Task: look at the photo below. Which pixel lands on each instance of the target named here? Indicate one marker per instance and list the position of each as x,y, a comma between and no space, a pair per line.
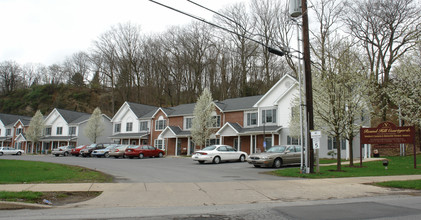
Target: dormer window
269,116
117,128
59,130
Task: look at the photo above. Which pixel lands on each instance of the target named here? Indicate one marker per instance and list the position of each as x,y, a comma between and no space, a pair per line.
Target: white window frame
160,124
59,130
185,123
129,126
142,128
73,128
159,144
117,125
264,116
246,119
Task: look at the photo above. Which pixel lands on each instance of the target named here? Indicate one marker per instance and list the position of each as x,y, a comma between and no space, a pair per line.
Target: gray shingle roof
237,104
142,110
73,116
9,119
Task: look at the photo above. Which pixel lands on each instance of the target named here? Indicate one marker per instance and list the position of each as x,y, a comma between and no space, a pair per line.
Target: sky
48,31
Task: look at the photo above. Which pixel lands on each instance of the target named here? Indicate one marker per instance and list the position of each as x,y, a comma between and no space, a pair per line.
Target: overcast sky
46,31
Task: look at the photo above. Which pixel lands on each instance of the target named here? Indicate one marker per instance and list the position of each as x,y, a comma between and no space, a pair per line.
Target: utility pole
308,84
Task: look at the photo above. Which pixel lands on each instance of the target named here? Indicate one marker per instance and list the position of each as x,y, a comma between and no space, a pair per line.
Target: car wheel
256,165
242,158
160,155
106,155
1,153
140,156
65,154
18,153
201,161
277,163
216,160
56,155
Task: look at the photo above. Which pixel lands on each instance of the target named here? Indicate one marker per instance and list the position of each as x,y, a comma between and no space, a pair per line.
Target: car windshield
111,147
91,146
209,148
277,149
81,146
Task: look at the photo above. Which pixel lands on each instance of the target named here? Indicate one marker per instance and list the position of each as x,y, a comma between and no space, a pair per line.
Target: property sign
388,133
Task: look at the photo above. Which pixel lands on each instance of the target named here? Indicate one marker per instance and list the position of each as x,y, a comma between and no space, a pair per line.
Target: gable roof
9,119
268,93
237,104
141,110
73,116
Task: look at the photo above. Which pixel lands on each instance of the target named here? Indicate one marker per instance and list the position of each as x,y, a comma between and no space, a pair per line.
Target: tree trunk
338,150
351,151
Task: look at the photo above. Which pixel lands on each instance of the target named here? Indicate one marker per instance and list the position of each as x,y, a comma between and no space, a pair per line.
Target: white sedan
10,150
218,153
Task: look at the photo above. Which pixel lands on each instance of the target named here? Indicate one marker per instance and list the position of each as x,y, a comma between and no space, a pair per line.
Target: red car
143,151
75,151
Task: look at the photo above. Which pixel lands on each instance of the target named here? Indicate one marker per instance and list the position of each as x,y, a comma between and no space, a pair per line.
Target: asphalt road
154,170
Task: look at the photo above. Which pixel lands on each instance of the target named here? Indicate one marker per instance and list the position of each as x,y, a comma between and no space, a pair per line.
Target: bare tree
10,72
385,30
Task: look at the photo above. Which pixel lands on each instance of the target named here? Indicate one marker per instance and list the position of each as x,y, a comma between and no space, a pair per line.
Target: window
47,131
72,130
19,131
293,140
188,122
143,126
117,128
8,132
251,118
160,124
160,144
216,121
129,126
59,130
210,142
269,116
331,143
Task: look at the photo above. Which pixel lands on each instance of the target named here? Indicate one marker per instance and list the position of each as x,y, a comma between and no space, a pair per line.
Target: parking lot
164,170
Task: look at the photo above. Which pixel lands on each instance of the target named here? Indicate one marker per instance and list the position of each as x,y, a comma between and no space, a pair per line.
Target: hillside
47,97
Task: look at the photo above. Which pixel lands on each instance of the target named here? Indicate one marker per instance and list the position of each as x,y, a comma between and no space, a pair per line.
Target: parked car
104,152
218,153
63,150
76,151
88,150
10,150
143,151
276,156
118,151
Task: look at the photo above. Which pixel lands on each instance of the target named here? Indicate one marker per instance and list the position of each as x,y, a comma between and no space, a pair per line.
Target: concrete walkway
219,193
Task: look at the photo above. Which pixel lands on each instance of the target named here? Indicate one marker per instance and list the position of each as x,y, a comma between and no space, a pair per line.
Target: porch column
279,138
176,146
221,140
188,146
239,143
251,144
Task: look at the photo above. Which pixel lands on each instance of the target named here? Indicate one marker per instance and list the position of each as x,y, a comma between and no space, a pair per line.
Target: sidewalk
220,193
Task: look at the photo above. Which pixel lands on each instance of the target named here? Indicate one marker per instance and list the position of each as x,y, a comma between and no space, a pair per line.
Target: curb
21,205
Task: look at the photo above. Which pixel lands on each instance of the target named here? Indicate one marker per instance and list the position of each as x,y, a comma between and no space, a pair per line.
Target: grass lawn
18,171
397,166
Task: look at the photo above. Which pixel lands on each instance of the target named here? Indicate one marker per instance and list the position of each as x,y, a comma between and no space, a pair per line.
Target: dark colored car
76,151
88,150
143,151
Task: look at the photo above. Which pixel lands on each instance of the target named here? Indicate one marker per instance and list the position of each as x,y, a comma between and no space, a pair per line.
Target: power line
270,49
